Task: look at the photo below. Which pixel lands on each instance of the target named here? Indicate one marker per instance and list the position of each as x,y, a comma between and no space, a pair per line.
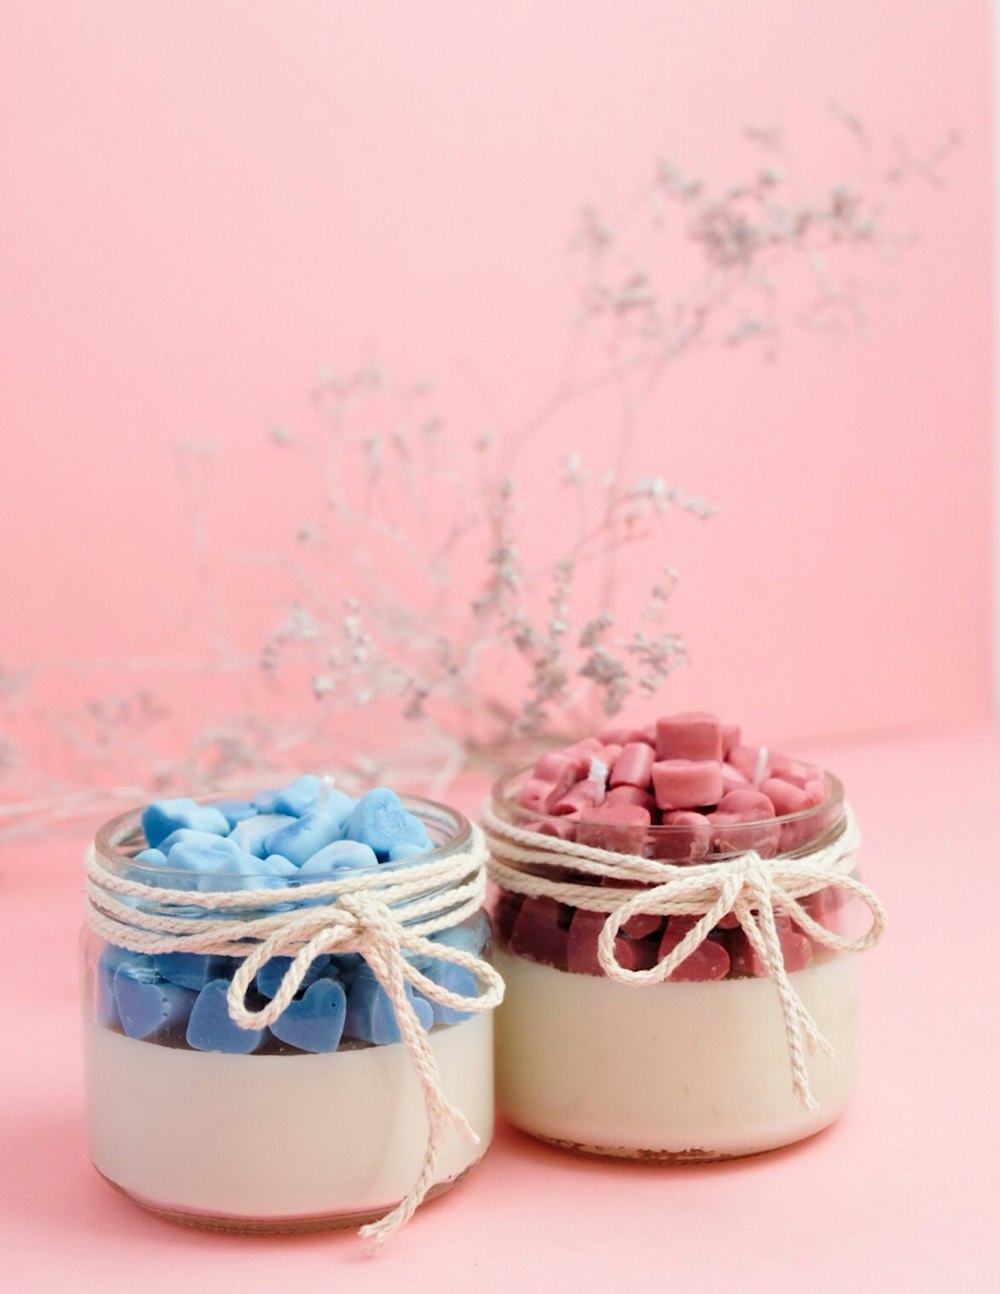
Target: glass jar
296,1127
699,1066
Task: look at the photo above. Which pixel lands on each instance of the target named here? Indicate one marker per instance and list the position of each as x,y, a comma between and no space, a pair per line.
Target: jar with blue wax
287,1007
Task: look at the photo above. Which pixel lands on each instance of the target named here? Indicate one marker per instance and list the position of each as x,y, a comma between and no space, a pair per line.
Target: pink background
203,204
206,203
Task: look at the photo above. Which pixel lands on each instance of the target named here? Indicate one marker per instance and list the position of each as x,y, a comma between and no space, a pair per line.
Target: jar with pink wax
679,922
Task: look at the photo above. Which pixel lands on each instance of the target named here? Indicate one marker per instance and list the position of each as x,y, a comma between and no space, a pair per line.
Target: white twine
381,914
748,886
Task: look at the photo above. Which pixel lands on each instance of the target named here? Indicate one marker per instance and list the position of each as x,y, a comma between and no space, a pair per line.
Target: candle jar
696,1067
292,1127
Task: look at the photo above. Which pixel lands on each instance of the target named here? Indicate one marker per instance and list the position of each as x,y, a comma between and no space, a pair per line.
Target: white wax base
278,1137
686,1070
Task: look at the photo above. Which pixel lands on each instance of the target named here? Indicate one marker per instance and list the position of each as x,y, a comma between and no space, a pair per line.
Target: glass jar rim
503,801
126,828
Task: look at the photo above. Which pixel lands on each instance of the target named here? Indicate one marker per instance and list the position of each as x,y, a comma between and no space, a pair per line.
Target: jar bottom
300,1226
693,1155
302,1142
672,1073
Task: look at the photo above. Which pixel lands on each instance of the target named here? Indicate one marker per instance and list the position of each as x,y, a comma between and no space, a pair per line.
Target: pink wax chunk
622,736
642,924
581,948
689,839
796,949
560,772
733,779
505,914
734,833
805,831
582,797
734,824
631,795
535,795
581,752
692,736
563,828
708,961
633,766
553,766
785,797
747,760
686,783
797,774
620,828
730,738
797,834
745,801
537,934
824,906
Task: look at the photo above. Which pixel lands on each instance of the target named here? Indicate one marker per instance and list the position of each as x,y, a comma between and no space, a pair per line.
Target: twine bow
748,886
382,915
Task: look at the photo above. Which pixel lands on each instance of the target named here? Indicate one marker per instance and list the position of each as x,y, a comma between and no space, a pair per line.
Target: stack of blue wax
297,834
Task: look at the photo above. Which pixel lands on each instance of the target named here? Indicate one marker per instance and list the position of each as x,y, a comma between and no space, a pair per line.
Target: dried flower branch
421,588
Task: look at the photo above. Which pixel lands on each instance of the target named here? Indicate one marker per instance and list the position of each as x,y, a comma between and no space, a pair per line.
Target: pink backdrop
205,203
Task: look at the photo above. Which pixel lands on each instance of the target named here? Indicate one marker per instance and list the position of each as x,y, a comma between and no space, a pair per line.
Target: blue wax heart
340,856
251,833
380,821
162,817
194,970
305,836
406,850
234,811
345,967
271,974
211,1028
207,839
457,980
296,798
197,863
105,1004
148,1004
152,857
471,936
370,1016
314,1022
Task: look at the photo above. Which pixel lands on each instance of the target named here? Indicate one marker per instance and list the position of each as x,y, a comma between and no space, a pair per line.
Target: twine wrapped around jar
750,887
383,914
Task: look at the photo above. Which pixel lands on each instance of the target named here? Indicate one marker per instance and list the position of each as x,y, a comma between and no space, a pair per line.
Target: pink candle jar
681,957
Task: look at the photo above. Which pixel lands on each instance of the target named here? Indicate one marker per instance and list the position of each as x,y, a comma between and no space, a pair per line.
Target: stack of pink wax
683,790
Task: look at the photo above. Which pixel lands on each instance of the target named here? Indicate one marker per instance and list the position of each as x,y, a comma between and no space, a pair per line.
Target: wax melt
303,1085
657,887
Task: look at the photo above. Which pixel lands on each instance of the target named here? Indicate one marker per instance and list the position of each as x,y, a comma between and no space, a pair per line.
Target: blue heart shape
211,1028
370,1015
146,1003
315,1021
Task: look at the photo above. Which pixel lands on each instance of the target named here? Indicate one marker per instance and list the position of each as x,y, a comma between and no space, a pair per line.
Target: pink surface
901,1194
203,204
